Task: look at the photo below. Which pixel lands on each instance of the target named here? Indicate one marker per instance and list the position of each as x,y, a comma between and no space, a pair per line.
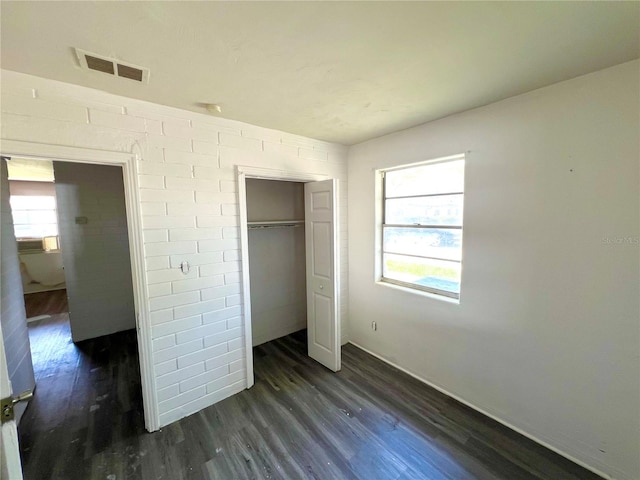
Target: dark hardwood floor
46,303
299,421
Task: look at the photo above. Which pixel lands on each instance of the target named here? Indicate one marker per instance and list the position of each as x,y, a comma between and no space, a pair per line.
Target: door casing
128,162
244,172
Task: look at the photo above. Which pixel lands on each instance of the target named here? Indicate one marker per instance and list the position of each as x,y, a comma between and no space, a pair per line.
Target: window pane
438,274
426,242
34,216
36,231
31,217
32,202
440,210
445,177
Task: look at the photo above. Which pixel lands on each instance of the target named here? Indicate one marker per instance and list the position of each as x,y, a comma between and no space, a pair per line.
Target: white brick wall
189,206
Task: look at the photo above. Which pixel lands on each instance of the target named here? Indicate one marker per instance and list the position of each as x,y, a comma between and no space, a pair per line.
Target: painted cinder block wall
547,333
188,197
96,254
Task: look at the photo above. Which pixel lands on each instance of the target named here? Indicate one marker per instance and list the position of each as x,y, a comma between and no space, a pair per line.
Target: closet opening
275,224
289,261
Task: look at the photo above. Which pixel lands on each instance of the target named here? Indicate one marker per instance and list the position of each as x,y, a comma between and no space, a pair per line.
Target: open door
16,369
10,466
321,232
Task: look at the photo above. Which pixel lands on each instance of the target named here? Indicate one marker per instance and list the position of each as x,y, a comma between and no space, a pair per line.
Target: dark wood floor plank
299,421
46,303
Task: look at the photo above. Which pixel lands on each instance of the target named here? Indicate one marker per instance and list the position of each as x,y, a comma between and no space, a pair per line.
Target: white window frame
380,251
17,209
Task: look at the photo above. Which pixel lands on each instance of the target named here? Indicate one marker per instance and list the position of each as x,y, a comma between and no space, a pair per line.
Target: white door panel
10,465
321,232
15,357
323,320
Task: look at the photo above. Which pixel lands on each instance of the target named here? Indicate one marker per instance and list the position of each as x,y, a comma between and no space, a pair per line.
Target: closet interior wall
276,258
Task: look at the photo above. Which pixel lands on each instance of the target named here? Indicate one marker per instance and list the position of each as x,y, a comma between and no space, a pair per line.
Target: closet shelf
275,224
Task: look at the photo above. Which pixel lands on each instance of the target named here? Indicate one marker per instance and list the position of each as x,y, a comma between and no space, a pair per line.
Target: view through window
422,226
34,216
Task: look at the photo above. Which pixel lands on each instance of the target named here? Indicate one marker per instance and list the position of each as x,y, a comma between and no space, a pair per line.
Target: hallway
87,402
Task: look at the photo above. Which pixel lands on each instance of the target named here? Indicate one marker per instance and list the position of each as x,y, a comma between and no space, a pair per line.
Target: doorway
320,257
275,213
33,205
141,335
89,225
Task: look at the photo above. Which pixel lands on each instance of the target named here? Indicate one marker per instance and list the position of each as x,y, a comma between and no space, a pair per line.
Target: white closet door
323,319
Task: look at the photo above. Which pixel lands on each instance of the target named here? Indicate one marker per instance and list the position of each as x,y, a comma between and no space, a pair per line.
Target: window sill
422,293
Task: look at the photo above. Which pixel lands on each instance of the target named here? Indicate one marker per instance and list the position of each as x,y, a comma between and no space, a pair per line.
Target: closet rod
278,225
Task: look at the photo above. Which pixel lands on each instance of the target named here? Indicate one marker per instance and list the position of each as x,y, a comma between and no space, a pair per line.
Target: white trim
128,162
246,287
484,412
10,463
10,454
417,291
244,172
37,318
140,296
282,175
449,158
17,148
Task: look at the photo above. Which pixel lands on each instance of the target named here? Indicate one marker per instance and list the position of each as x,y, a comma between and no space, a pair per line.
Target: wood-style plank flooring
46,303
299,421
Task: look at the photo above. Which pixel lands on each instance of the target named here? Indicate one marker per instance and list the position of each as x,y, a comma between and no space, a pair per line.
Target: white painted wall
276,260
188,195
546,337
13,318
42,271
96,254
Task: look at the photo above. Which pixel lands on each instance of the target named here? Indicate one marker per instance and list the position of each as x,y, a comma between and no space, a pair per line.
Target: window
34,216
422,226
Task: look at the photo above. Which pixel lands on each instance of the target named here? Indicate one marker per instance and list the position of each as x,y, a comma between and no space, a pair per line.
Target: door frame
243,172
128,162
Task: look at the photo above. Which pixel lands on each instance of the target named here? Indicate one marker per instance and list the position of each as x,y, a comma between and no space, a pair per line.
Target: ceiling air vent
111,66
99,64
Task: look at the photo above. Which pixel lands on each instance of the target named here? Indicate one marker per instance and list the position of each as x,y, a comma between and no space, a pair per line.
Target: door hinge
6,405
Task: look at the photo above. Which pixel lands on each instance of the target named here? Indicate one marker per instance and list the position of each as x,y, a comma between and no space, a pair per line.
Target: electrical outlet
374,326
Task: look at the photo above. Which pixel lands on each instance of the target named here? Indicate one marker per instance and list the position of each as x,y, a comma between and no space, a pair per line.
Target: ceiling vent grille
111,66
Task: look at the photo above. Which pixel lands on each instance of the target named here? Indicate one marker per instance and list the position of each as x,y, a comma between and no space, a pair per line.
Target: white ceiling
337,71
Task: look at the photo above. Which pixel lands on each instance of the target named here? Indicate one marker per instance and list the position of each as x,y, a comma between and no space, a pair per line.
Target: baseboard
277,333
44,288
484,412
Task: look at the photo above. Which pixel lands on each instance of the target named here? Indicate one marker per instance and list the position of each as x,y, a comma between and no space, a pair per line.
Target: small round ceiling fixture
213,108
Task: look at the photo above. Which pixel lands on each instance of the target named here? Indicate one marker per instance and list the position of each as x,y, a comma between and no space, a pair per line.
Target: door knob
6,405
